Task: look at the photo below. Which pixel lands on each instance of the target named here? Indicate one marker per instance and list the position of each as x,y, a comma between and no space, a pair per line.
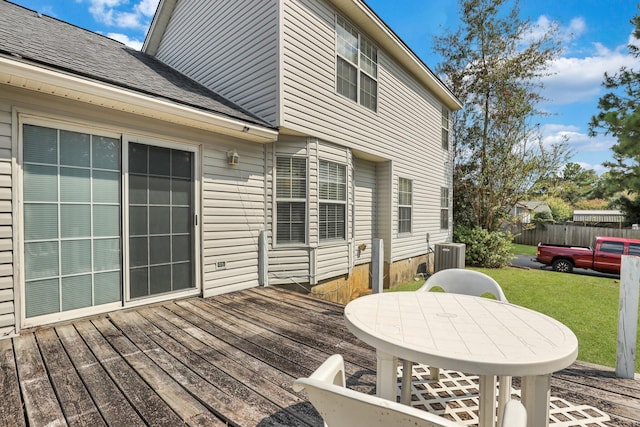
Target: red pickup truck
605,257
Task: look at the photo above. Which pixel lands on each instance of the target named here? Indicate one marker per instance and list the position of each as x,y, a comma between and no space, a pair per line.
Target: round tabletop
461,332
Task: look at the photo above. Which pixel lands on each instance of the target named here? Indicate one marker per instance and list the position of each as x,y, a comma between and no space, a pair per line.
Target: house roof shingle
49,42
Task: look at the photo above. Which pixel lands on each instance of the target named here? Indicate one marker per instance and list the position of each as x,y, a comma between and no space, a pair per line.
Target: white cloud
128,20
576,28
588,152
123,38
147,7
544,26
113,13
575,79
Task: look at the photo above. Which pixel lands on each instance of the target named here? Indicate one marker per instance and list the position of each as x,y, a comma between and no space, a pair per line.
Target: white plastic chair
467,282
343,407
462,281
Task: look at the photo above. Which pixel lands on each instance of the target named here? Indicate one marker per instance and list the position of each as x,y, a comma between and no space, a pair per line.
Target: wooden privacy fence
570,234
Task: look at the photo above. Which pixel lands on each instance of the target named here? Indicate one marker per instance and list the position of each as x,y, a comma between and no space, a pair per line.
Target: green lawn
524,249
588,305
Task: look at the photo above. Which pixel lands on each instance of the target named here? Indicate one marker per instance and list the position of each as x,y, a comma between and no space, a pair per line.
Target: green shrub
560,210
541,219
484,248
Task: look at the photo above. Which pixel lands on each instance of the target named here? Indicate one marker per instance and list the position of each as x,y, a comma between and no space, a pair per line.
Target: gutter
44,80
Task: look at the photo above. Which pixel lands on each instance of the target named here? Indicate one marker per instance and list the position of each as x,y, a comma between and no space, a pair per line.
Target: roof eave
28,76
158,26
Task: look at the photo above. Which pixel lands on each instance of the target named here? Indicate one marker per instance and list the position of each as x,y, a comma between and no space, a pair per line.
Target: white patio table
468,334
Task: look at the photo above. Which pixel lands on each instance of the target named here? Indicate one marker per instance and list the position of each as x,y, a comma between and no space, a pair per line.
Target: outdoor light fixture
233,158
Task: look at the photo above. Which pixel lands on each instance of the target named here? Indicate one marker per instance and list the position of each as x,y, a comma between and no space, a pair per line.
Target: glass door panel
161,212
71,220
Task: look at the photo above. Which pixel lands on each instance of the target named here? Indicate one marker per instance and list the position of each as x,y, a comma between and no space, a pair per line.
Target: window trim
277,200
444,208
405,206
446,126
360,71
343,203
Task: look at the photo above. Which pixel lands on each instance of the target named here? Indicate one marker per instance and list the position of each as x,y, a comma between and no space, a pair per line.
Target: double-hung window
333,200
444,208
356,66
445,128
291,199
405,206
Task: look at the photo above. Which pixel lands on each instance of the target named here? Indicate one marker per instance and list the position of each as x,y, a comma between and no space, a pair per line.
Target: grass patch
587,305
518,249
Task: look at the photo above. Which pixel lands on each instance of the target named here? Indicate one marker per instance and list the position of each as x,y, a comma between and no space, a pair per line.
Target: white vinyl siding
406,129
229,46
7,301
233,214
366,212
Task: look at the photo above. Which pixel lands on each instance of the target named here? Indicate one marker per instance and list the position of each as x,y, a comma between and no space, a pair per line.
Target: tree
560,210
572,185
494,65
619,116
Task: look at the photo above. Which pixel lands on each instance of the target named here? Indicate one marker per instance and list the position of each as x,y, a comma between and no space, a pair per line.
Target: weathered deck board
75,400
11,412
112,404
142,396
40,402
225,360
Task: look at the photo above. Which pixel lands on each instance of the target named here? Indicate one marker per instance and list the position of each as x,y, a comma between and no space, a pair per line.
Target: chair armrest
331,371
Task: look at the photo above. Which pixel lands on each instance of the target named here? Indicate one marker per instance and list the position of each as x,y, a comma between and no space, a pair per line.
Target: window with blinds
445,128
405,205
291,199
444,208
71,220
333,200
356,66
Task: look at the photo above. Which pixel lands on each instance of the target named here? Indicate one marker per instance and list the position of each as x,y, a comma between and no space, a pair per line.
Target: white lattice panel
455,396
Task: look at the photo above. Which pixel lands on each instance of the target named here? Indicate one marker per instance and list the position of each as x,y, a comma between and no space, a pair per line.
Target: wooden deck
226,360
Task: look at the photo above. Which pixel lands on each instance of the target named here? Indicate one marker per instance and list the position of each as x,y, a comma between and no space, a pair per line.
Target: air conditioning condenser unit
449,255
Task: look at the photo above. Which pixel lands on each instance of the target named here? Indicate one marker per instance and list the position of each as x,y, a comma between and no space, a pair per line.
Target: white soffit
44,80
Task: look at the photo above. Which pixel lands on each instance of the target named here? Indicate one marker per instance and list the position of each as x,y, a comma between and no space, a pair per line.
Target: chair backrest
462,281
340,406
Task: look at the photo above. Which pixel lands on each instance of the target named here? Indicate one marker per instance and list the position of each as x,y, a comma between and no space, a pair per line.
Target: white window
356,66
291,199
445,128
333,200
405,197
444,208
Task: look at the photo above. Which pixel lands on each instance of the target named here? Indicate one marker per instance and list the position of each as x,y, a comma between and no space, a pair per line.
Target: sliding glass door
161,214
92,244
71,220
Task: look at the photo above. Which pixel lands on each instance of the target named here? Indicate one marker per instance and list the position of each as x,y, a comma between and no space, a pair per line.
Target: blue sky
595,35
